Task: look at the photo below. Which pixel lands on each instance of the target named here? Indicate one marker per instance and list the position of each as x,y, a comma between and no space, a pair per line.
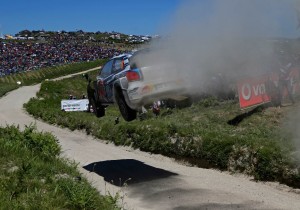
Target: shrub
44,143
32,176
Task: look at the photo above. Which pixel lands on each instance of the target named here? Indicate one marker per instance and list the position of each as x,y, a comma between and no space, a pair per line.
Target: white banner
75,105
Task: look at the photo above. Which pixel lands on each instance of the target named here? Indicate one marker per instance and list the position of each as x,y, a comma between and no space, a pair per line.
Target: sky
137,17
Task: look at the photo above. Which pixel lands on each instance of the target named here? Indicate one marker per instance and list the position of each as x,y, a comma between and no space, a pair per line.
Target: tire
90,108
127,113
90,94
98,109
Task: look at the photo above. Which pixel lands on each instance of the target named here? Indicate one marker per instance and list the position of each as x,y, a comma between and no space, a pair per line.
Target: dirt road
156,182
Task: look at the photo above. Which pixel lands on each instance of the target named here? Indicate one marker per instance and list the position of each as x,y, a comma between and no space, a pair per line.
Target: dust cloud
230,39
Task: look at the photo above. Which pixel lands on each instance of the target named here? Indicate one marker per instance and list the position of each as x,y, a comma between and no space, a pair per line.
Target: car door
118,66
102,78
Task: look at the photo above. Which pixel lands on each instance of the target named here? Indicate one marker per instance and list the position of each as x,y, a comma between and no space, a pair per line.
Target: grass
199,134
33,176
9,83
5,88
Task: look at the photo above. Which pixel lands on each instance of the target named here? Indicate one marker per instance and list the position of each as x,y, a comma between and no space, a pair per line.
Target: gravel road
147,181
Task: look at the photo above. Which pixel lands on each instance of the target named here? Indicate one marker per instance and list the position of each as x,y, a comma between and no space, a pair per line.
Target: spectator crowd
20,56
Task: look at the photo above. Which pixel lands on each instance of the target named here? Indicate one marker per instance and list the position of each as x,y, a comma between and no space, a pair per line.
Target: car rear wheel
127,113
98,109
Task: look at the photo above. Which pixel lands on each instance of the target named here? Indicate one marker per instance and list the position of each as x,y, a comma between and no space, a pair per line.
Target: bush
32,176
43,144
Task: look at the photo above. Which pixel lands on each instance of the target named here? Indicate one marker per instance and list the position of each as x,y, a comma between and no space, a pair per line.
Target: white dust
230,38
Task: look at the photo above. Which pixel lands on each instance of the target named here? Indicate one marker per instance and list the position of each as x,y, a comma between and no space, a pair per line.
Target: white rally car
133,80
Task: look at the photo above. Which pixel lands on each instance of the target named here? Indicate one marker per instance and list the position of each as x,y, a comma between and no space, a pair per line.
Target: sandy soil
147,181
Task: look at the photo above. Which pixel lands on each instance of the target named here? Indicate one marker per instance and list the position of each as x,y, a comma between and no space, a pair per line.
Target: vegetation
33,176
5,88
9,83
200,134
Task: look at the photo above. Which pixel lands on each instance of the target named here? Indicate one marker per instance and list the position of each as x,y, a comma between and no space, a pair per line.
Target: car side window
107,69
118,65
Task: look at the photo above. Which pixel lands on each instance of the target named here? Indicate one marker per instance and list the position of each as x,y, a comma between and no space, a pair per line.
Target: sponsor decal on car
147,89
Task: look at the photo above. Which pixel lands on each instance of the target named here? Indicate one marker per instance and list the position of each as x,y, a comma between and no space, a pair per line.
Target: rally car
132,84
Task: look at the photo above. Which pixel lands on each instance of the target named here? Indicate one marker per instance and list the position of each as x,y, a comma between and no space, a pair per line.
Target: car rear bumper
146,94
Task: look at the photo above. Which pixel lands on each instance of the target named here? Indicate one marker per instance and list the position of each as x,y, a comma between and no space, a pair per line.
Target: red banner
256,91
253,92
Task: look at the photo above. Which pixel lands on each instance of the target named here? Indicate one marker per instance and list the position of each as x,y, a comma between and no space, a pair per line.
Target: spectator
283,83
57,50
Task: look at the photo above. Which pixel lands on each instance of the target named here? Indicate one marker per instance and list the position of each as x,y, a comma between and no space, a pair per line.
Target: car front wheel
127,113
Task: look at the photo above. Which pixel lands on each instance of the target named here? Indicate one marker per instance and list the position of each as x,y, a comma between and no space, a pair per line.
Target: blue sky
129,16
139,17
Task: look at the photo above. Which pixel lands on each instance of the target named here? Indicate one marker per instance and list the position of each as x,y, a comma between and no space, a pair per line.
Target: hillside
202,134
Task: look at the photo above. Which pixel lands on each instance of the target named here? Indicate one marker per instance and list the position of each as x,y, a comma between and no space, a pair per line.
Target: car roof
133,52
128,55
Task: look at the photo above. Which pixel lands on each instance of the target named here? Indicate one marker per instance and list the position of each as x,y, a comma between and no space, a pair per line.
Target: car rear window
140,58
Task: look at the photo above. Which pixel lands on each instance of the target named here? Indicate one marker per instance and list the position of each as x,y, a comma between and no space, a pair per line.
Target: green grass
9,83
5,88
33,176
199,134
